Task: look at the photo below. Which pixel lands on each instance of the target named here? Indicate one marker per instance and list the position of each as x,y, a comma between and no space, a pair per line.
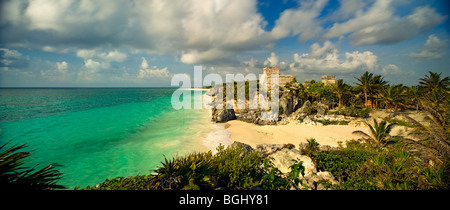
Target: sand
294,133
253,135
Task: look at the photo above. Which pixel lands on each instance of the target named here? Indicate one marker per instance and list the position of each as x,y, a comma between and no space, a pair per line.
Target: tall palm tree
391,96
379,135
378,84
365,82
414,93
434,81
340,88
433,133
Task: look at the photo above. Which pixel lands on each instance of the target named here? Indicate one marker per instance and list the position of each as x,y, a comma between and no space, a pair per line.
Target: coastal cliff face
223,115
291,105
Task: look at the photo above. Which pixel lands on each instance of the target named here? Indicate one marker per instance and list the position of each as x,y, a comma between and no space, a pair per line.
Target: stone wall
271,70
329,79
283,79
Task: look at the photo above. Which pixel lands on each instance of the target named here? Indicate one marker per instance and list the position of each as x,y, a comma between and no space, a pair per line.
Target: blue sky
143,43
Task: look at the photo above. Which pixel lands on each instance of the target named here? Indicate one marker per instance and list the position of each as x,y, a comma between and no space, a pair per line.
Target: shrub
288,146
230,168
334,122
353,112
237,169
123,183
310,110
312,146
193,171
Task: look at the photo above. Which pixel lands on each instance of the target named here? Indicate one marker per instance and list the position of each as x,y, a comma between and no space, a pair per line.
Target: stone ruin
329,79
283,79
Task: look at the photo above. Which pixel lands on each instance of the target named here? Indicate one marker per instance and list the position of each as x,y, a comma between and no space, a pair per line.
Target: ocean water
101,133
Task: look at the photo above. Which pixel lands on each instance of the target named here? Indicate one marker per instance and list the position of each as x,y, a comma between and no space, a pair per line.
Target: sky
144,43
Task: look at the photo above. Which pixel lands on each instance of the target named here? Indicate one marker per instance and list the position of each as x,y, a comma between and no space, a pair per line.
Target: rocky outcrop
284,158
268,149
245,147
321,108
289,102
254,116
304,106
223,115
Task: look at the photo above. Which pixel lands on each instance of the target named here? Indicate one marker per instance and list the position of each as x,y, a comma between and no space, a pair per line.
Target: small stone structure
329,79
283,79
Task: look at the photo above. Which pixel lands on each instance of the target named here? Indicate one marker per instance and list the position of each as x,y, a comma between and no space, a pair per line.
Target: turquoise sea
97,133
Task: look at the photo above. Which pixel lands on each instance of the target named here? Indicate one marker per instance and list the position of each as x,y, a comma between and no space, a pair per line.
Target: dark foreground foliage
14,175
232,168
357,166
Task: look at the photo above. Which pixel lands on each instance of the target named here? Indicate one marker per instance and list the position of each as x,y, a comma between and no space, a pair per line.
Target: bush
353,112
334,122
123,183
310,110
231,168
237,169
359,166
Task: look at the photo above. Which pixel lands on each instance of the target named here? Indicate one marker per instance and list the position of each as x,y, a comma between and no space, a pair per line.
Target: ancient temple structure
283,79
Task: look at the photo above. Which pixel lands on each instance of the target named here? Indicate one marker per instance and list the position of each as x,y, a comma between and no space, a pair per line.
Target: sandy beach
253,135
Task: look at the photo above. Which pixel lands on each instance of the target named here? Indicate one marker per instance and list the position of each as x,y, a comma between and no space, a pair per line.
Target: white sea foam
218,136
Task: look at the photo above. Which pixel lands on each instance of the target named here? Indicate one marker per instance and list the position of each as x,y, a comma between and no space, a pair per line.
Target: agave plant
190,172
14,175
379,135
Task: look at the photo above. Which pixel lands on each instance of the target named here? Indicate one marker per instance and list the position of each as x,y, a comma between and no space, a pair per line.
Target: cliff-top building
283,79
329,79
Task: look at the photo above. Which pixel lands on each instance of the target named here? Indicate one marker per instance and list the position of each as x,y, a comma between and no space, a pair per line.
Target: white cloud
111,56
379,12
273,60
93,70
302,21
325,60
391,69
379,25
397,29
12,58
434,48
145,72
60,73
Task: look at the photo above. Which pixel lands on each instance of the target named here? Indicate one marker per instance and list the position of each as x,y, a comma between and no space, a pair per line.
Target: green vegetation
334,122
359,166
379,133
15,176
231,168
352,111
379,162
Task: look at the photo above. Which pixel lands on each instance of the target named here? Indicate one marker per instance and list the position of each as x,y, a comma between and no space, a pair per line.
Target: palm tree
433,138
414,93
378,84
436,90
15,176
434,81
391,96
379,133
433,133
365,82
340,88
